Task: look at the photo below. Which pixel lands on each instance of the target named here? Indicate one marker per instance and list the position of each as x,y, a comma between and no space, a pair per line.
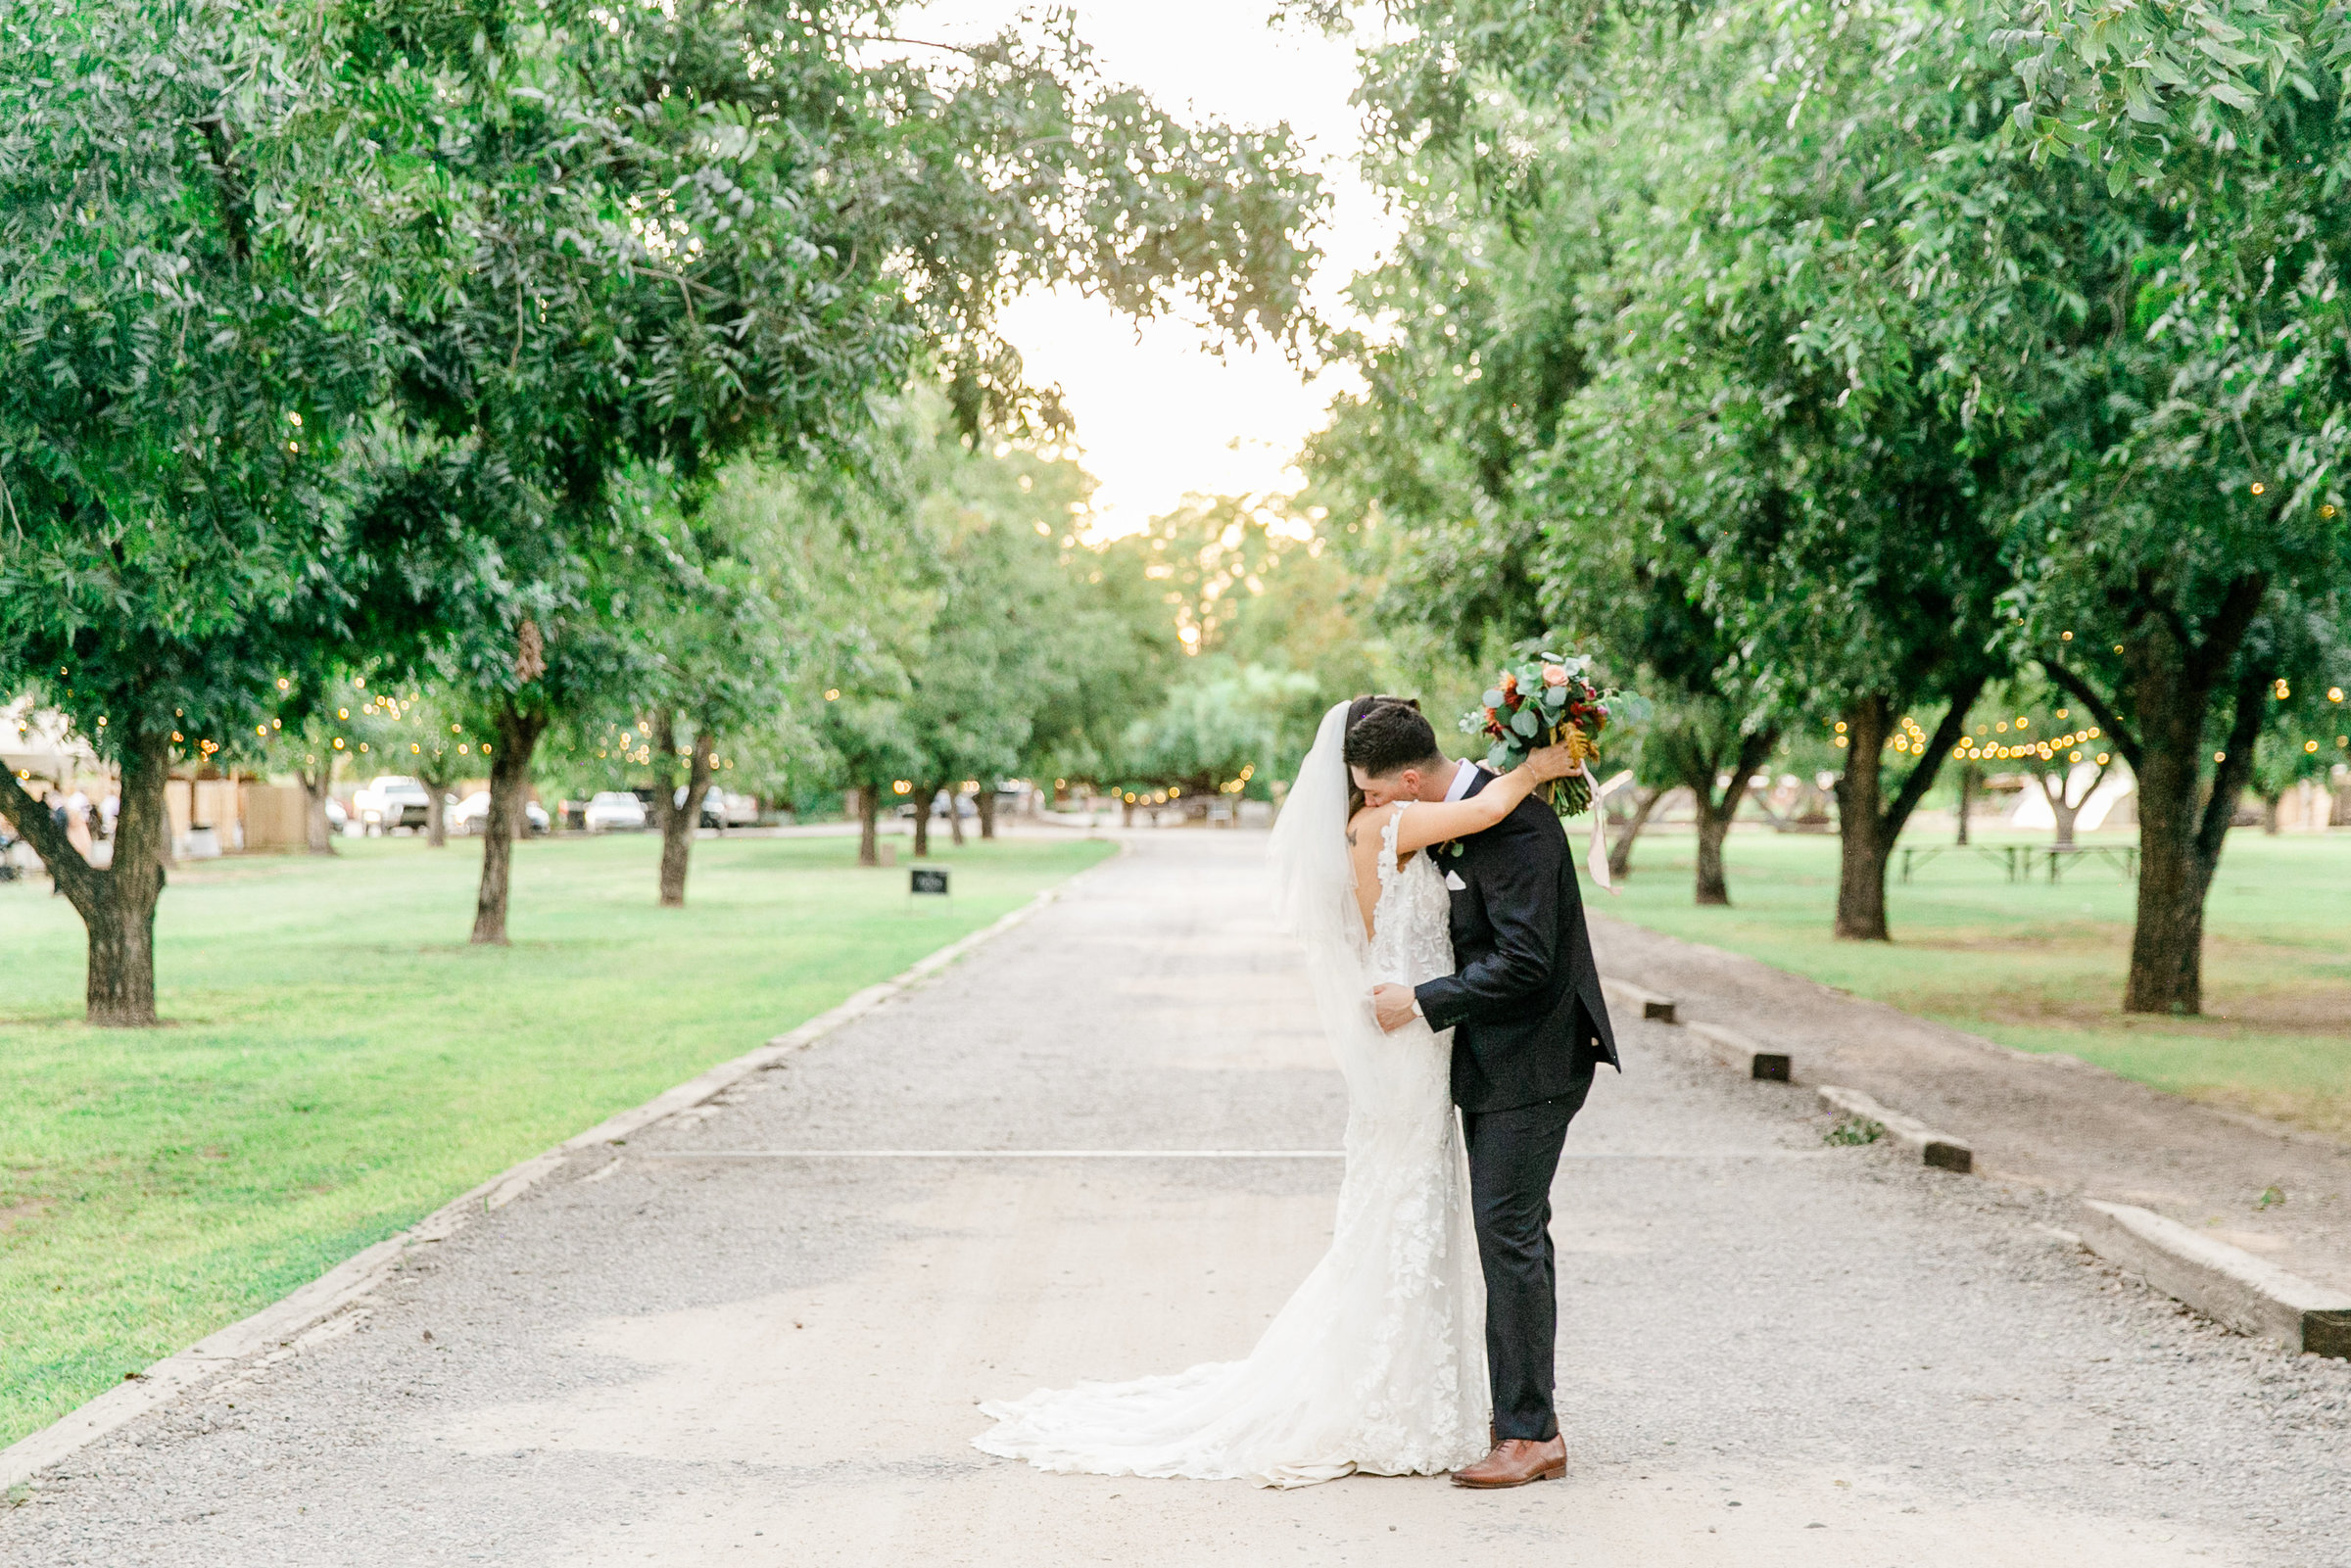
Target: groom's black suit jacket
1523,1001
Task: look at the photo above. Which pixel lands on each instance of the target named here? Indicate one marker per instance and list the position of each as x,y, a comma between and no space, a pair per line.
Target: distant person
77,822
1445,940
56,802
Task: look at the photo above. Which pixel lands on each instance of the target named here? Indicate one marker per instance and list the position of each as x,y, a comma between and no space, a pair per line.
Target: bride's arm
1436,822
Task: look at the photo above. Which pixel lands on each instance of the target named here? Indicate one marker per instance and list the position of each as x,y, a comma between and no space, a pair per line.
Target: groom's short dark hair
1388,735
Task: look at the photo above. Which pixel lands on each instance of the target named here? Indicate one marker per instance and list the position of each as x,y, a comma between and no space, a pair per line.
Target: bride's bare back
1438,822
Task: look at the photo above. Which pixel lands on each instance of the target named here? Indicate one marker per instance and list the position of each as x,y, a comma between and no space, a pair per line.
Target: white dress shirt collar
1462,778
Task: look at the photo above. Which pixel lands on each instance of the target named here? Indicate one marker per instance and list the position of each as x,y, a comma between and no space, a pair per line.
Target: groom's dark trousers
1529,1031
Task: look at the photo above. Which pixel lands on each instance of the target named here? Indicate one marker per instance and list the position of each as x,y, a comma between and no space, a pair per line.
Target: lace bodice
1412,938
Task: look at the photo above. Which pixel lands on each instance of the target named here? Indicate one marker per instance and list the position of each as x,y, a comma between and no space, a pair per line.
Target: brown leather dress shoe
1514,1462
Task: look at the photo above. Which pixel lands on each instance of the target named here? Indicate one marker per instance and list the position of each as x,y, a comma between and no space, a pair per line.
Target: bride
1377,1363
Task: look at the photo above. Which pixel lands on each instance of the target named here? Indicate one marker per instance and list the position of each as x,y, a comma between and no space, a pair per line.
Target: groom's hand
1393,1006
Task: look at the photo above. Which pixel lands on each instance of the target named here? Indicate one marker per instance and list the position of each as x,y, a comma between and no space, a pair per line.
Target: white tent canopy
38,743
2032,803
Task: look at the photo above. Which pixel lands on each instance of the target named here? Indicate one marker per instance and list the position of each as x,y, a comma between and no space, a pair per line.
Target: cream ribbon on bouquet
1596,858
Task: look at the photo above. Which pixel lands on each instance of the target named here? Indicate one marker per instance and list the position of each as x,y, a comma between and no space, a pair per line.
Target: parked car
613,810
391,800
943,802
470,813
723,809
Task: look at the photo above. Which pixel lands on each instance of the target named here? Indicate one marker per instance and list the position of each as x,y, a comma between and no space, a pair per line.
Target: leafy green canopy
189,341
2120,86
569,241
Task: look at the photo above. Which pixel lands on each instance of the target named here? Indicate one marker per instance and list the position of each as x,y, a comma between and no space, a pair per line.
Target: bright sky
1157,414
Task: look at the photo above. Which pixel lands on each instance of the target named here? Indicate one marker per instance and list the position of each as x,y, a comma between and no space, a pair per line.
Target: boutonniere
1451,846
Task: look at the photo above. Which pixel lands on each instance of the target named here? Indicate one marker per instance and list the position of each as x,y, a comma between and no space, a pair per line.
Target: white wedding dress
1377,1363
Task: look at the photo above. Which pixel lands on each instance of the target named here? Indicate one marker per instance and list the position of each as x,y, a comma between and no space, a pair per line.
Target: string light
1977,751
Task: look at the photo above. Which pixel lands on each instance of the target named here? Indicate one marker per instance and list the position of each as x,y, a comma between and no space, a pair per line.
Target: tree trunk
678,821
988,813
1699,768
922,799
2179,844
869,825
1860,815
2168,936
1967,790
1714,823
436,811
1867,822
509,782
116,905
1620,848
316,790
2269,813
119,991
2169,682
2062,811
955,816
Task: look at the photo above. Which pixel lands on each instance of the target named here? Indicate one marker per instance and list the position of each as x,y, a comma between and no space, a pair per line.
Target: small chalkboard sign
927,880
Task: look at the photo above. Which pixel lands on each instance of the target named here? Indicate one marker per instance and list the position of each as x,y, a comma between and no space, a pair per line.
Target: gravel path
2051,1121
1773,1351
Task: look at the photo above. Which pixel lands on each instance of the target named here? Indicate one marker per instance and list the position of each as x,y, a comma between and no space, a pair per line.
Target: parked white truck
391,800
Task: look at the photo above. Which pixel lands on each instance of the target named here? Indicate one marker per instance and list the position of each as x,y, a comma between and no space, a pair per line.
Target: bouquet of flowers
1543,699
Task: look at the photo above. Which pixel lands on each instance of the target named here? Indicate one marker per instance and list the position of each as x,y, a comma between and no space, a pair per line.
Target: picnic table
2012,859
2123,858
2017,861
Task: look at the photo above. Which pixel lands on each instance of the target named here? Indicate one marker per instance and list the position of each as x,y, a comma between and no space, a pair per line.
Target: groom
1529,1032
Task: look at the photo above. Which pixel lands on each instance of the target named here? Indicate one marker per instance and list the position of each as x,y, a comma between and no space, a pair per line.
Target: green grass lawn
2040,966
339,1062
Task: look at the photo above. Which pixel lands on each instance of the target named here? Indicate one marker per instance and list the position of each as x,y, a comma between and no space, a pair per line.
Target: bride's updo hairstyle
1386,736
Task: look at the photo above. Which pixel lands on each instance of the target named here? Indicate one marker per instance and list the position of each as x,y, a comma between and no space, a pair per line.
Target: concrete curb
2224,1283
1647,1004
1938,1149
1740,1054
1769,1064
2227,1284
284,1324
